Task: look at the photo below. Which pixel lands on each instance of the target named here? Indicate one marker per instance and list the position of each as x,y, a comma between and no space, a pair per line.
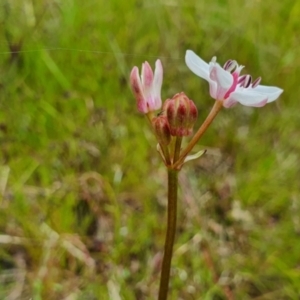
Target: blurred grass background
83,191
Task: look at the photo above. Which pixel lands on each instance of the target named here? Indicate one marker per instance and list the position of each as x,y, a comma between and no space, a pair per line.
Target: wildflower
226,84
181,113
146,88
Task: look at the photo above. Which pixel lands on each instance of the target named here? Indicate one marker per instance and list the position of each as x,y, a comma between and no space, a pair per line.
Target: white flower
226,84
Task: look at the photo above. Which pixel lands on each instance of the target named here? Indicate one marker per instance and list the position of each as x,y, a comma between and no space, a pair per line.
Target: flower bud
162,130
146,88
181,113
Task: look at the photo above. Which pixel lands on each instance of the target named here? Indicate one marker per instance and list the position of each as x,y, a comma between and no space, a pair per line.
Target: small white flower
226,84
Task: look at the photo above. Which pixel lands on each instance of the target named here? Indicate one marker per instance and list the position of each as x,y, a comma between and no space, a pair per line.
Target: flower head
146,88
226,84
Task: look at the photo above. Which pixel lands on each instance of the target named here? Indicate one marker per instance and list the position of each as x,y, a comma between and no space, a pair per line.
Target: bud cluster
177,119
181,113
178,114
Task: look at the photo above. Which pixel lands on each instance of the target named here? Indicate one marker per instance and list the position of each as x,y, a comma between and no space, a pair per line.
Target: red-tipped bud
162,130
181,113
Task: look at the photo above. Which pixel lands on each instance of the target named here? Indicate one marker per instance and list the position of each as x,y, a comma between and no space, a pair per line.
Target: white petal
248,97
229,102
213,89
157,83
158,75
221,76
272,92
197,65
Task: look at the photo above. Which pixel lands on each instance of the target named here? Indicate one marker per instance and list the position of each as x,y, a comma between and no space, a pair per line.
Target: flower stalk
213,113
170,235
177,148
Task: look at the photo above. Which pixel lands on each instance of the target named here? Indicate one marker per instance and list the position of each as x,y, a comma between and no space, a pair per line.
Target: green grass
77,159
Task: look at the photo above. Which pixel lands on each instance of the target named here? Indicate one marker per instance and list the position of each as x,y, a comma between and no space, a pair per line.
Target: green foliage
81,182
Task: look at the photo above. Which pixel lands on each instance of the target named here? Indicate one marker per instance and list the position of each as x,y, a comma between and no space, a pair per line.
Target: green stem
170,235
177,148
166,153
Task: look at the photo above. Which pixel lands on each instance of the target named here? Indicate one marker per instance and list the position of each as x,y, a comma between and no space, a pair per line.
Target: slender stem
172,147
170,235
177,148
166,153
214,111
150,116
164,149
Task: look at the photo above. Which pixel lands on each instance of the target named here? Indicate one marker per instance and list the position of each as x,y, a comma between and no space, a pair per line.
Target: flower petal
158,75
248,97
223,79
272,92
229,102
156,85
213,89
197,65
137,89
147,75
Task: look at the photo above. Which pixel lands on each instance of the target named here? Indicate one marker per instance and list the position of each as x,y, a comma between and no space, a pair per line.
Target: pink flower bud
162,130
146,88
181,113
